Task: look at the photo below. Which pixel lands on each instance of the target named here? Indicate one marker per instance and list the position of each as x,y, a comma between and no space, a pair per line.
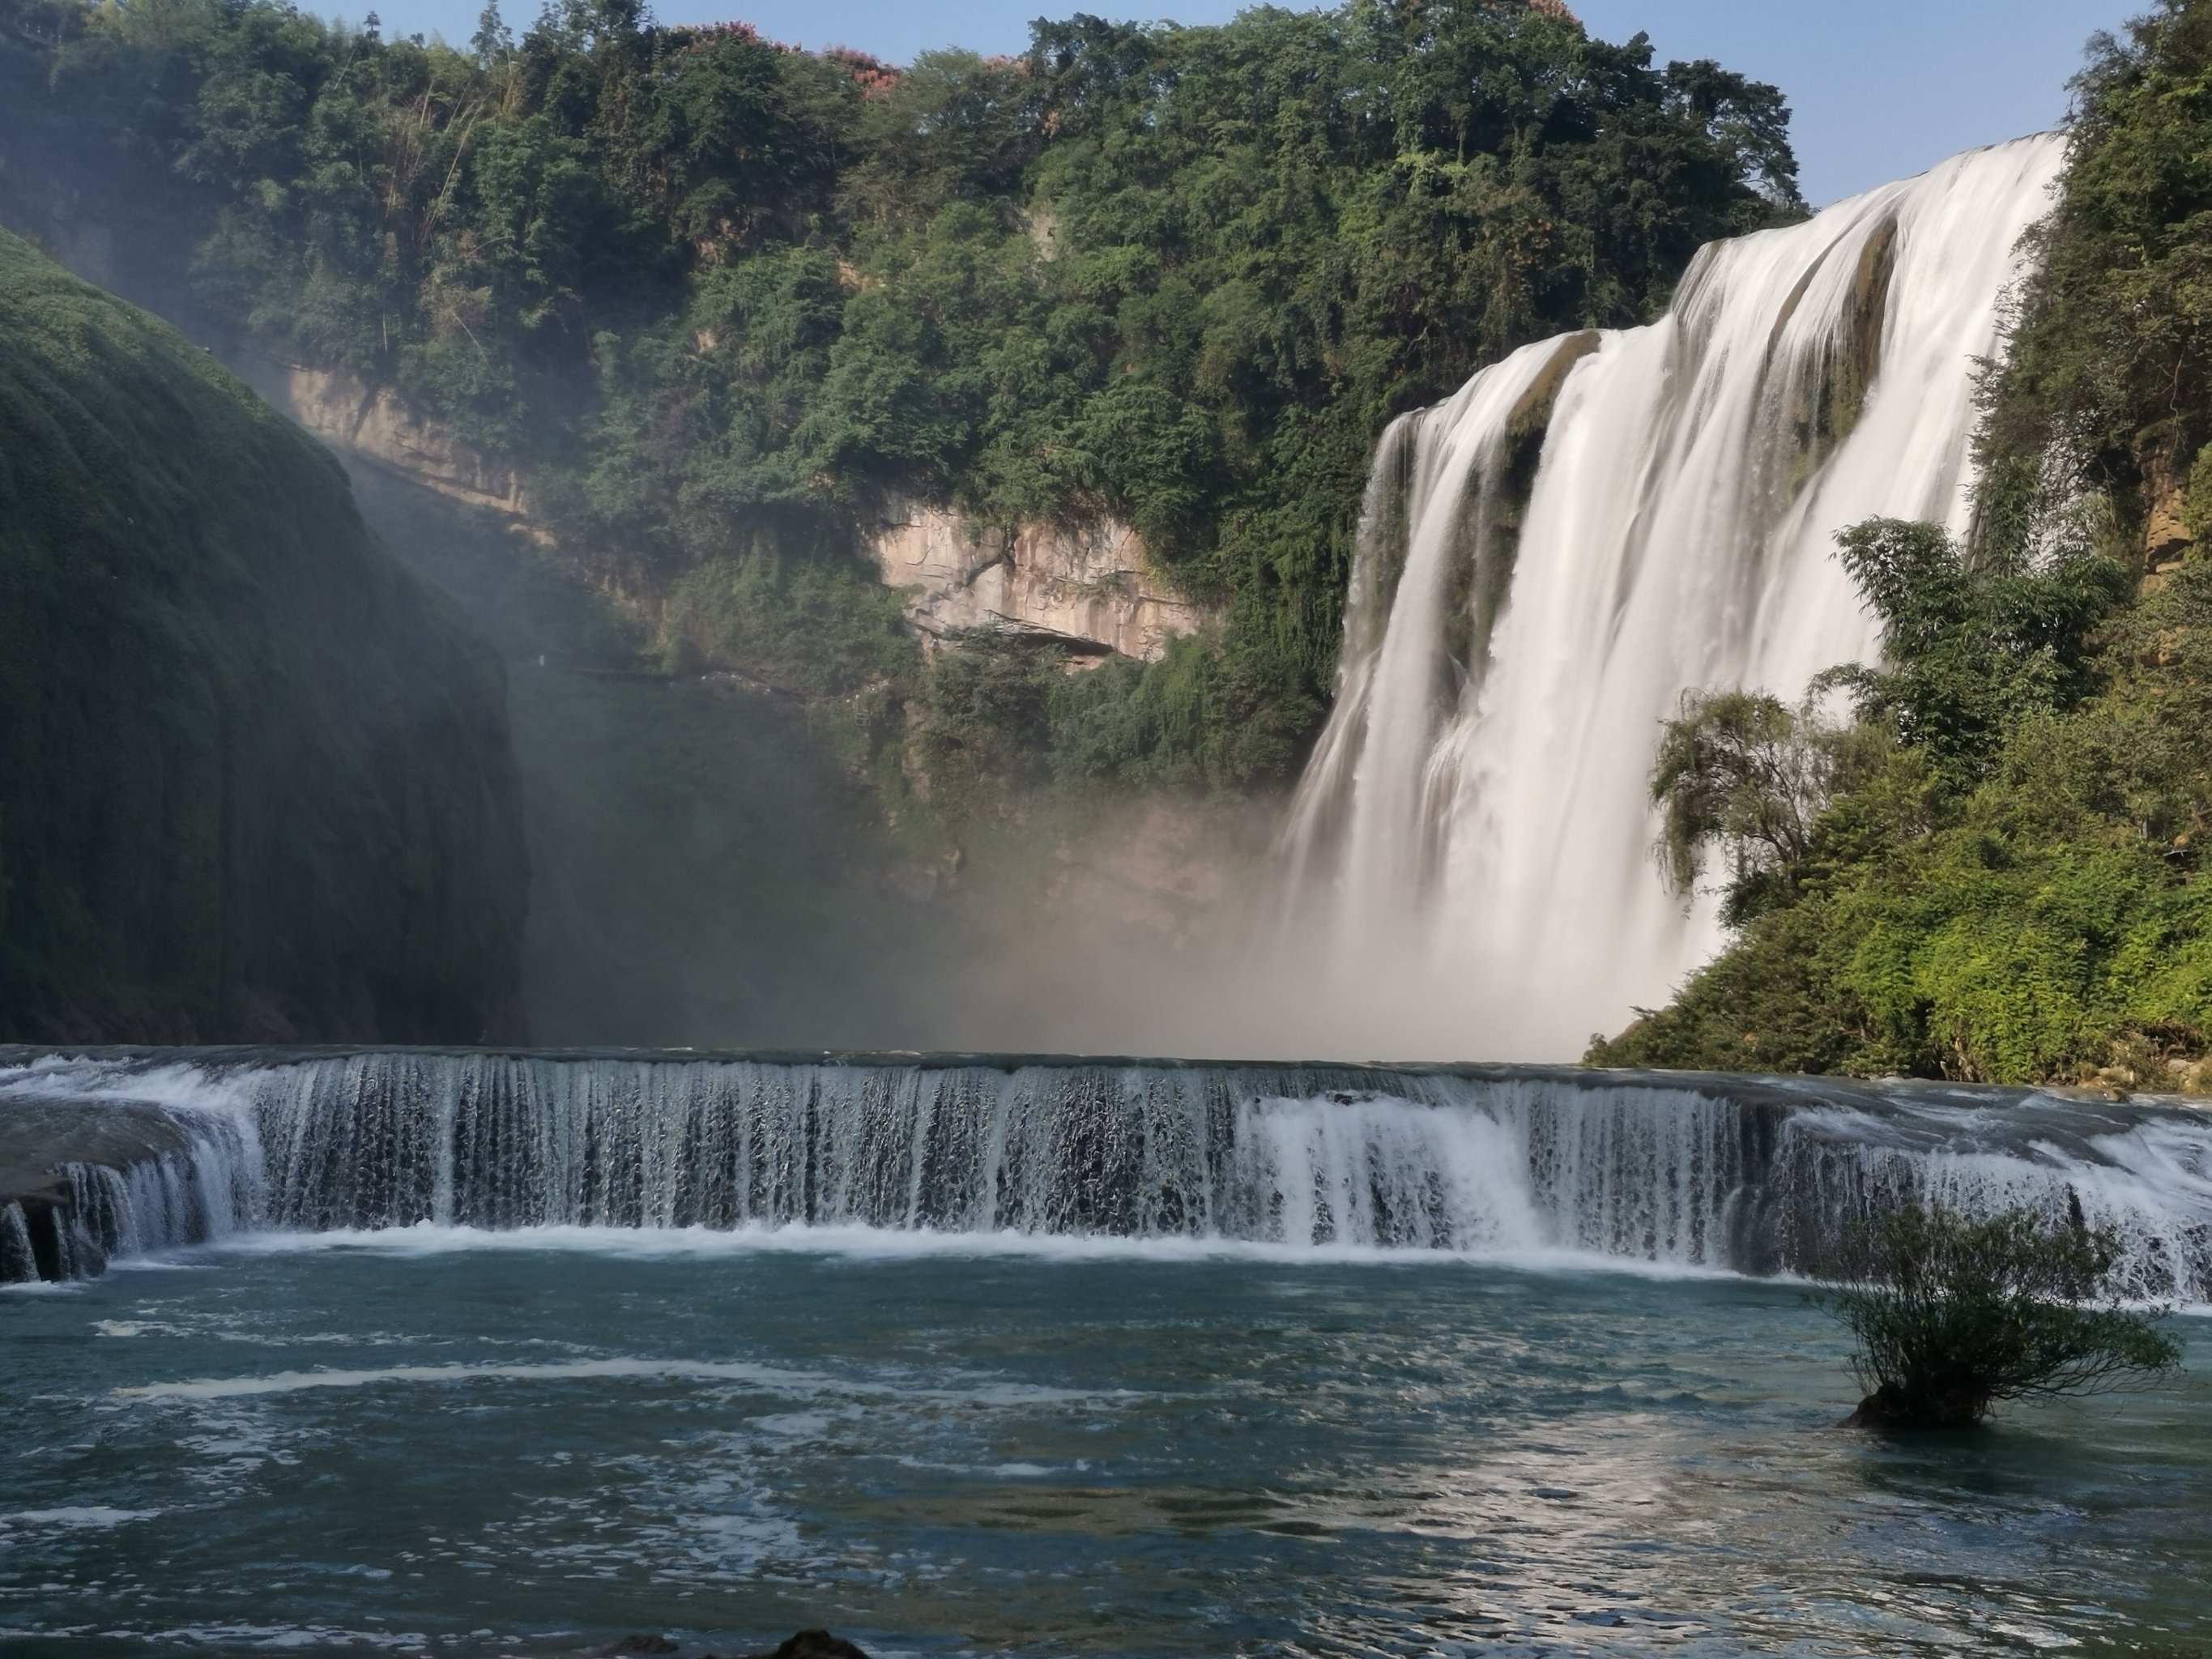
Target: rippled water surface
470,1444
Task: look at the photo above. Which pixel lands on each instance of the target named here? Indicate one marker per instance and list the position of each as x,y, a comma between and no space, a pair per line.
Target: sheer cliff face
1086,588
255,779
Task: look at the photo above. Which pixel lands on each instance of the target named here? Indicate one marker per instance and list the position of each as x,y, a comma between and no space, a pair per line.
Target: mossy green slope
255,780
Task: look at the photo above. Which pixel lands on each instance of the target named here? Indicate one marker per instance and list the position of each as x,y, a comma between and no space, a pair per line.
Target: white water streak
1474,867
416,1150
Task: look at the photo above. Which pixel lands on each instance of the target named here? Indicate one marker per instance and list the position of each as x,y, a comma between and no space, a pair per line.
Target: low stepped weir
159,1148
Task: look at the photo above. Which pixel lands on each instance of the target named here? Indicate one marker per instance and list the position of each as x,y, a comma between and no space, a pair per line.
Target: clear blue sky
1881,89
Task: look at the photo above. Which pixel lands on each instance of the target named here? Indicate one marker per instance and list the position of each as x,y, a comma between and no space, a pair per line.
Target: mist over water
488,1350
1547,561
702,869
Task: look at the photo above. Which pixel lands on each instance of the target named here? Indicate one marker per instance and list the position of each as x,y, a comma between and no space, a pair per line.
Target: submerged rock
816,1644
805,1644
1889,1408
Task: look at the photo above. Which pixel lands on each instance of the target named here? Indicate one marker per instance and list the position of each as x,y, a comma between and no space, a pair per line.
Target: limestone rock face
1084,587
378,424
2166,493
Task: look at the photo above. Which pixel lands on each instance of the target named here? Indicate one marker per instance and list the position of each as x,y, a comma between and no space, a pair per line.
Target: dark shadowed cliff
255,779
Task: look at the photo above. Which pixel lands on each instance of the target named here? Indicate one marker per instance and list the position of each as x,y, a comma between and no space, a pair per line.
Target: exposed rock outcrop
806,1644
82,1180
1085,587
377,423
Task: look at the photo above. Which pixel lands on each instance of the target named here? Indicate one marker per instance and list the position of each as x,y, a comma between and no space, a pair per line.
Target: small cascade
1754,1176
88,1174
19,1256
1592,528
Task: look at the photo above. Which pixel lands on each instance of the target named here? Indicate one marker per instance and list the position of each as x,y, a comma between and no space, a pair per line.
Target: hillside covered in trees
718,296
1989,863
255,780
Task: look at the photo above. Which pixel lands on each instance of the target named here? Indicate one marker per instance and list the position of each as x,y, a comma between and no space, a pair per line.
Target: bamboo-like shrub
1954,1314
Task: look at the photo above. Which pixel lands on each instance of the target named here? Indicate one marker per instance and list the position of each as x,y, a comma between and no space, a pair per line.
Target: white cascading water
1747,1174
1588,530
125,1176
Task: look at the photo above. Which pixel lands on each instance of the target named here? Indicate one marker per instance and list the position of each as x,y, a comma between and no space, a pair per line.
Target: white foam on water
312,1638
184,1086
781,1382
405,1152
92,1516
197,1176
889,1245
772,1378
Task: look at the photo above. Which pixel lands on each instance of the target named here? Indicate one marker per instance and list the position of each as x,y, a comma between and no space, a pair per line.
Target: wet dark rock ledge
67,1167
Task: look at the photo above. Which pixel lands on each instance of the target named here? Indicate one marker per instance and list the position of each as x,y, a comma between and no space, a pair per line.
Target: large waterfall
1588,530
1744,1173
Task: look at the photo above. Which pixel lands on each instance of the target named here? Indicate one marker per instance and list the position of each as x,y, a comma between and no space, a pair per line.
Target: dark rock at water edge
255,778
817,1644
81,1181
805,1644
1890,1408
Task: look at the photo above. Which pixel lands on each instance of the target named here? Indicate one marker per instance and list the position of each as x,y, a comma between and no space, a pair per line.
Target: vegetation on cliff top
254,777
1994,870
726,296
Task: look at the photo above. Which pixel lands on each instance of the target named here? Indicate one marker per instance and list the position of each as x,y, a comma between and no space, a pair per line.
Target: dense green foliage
1742,769
2108,385
2006,882
1953,1314
726,297
254,777
1992,873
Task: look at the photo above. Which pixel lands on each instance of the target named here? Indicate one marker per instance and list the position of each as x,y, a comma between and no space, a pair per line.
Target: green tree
1745,771
1953,1314
1983,876
1970,649
2108,386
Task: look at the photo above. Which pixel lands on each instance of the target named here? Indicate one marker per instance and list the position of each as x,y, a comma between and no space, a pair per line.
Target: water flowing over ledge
1589,529
156,1148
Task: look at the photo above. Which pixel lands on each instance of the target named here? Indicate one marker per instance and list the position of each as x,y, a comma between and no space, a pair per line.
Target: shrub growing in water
1953,1314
